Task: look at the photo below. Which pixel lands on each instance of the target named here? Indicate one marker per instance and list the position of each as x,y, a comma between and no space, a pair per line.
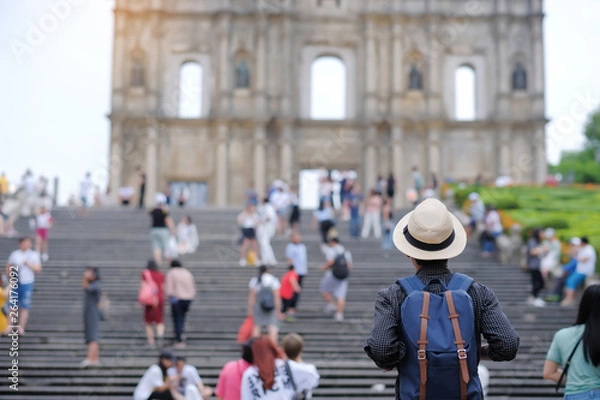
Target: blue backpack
441,347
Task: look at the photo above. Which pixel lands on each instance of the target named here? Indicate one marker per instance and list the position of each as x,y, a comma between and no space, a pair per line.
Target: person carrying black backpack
429,326
335,281
264,303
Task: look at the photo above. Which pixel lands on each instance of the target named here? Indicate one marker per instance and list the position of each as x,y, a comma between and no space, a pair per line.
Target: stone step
117,241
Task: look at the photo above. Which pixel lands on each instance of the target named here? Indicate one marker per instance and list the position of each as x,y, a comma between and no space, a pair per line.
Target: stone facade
264,131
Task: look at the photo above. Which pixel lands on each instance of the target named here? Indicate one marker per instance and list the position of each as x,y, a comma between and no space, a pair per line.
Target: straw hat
430,232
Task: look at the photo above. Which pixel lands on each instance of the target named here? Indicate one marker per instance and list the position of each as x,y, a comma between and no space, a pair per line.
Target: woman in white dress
187,236
265,232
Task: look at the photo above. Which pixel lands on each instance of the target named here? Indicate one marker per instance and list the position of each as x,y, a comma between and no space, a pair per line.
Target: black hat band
428,246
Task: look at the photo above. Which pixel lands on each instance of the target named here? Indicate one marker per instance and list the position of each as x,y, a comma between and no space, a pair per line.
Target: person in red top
155,314
43,223
290,288
230,377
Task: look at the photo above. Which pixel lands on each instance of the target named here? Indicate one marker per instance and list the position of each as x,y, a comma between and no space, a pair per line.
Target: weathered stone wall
264,131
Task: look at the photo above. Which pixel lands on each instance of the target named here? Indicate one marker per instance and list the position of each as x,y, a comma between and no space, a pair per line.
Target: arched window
137,71
190,90
415,79
328,88
519,77
242,75
465,87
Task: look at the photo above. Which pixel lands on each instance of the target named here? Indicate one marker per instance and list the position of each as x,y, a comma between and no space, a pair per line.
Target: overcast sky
55,76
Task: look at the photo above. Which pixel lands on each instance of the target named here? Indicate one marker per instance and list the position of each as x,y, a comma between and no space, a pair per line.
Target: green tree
583,165
592,131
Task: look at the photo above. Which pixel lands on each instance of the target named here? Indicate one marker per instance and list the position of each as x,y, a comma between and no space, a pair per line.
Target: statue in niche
137,72
519,78
242,75
415,80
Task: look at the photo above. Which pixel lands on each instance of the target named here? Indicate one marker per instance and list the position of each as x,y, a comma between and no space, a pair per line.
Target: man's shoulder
189,369
188,273
153,369
339,248
297,245
392,291
31,254
230,364
303,366
251,370
589,250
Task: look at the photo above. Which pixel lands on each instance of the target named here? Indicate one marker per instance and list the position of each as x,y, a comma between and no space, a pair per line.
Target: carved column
435,154
275,65
503,68
151,165
504,156
397,69
259,159
222,169
370,159
540,164
154,62
371,71
434,90
287,67
225,70
538,67
398,165
119,63
261,67
116,160
286,162
384,74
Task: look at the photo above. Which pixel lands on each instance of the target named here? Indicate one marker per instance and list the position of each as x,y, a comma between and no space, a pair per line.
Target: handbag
567,364
148,294
297,395
104,307
245,331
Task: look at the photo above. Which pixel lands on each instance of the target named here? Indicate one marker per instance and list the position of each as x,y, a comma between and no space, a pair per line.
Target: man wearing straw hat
429,236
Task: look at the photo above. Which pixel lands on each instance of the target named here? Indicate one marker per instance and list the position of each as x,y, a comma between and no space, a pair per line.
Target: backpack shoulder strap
460,282
460,345
567,365
290,375
422,342
411,283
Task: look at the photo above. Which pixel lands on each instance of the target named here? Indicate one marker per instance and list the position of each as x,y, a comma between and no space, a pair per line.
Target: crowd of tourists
30,198
420,321
278,213
266,370
541,255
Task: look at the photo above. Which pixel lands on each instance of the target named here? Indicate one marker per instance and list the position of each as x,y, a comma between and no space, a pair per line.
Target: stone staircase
117,241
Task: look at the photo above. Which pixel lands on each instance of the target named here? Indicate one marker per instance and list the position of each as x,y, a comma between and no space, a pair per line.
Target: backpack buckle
462,354
421,354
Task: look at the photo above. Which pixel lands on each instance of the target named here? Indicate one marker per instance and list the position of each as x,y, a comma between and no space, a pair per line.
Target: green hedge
571,211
